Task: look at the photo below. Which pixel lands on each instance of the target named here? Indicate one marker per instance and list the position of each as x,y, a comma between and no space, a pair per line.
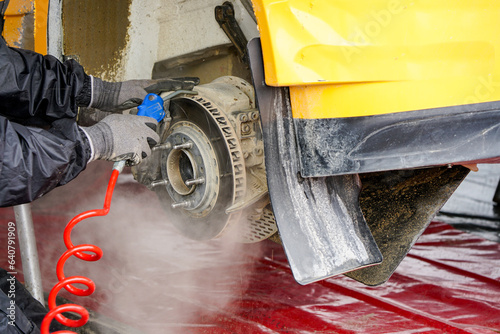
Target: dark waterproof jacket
41,146
25,314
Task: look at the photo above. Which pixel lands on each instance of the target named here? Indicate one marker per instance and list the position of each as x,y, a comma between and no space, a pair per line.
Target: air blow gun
152,106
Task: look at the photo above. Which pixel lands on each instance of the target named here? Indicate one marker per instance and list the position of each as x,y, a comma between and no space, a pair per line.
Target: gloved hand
113,96
122,137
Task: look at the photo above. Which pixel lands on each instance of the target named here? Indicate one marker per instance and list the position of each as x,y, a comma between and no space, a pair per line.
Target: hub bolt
186,145
199,180
245,129
158,183
185,204
164,146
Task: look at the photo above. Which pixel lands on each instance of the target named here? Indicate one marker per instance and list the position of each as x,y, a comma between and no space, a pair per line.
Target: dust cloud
150,276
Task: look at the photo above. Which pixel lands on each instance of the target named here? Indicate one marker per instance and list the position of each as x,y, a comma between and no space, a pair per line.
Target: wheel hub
192,169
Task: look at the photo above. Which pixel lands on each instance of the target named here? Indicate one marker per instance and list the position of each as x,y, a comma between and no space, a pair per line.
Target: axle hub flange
192,169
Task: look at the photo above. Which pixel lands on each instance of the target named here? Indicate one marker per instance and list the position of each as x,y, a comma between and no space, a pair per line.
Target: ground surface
159,282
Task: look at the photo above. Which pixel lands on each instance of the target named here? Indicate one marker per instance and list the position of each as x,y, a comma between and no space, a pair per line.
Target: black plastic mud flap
398,206
319,220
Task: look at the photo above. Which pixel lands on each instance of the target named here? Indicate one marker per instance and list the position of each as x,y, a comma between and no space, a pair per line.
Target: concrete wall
122,39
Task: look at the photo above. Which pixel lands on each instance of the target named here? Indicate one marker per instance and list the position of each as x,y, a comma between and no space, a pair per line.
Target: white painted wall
162,29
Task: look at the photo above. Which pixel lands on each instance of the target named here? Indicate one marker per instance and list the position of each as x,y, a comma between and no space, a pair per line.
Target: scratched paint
19,23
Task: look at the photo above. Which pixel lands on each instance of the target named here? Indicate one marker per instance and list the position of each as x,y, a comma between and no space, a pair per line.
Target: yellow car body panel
368,57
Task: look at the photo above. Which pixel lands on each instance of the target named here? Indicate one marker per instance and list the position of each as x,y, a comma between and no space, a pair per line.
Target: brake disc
208,170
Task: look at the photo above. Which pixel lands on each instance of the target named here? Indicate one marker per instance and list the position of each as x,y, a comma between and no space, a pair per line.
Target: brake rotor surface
202,168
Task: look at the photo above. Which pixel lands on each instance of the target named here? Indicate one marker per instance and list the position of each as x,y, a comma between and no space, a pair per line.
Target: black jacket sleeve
36,89
29,313
33,161
39,86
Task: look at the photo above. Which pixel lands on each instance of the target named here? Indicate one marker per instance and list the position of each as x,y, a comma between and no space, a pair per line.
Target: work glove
122,137
115,96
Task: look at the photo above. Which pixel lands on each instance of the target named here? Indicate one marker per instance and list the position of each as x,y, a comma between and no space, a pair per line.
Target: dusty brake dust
150,276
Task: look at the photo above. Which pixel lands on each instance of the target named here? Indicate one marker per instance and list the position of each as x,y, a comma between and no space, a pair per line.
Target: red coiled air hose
79,252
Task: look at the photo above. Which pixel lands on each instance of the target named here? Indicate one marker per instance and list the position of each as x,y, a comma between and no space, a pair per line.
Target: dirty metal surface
225,16
208,65
449,282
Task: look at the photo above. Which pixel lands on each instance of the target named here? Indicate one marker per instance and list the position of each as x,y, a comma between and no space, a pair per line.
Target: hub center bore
181,167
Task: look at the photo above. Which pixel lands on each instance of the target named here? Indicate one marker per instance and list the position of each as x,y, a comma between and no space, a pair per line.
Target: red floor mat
160,282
